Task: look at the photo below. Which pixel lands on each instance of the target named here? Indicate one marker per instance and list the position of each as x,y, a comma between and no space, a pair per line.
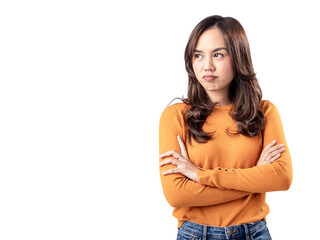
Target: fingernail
274,141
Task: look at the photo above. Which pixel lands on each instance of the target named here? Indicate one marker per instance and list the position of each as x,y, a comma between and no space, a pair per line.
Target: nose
209,66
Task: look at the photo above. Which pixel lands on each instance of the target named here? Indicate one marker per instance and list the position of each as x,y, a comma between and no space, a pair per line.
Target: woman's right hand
270,153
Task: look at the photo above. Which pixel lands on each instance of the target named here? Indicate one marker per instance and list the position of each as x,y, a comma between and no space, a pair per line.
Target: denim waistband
242,231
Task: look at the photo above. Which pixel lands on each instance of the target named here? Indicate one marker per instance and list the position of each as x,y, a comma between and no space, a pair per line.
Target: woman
224,147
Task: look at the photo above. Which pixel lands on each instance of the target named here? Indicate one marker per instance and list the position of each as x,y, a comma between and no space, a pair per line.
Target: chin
212,88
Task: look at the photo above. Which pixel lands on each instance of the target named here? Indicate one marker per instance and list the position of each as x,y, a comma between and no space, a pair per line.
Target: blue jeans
249,231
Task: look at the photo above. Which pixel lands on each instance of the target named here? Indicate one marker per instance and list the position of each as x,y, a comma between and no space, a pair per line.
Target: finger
268,146
274,158
170,153
182,147
265,151
274,153
171,171
173,161
271,151
274,148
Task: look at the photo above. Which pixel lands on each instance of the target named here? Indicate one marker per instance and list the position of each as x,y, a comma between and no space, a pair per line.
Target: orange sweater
232,189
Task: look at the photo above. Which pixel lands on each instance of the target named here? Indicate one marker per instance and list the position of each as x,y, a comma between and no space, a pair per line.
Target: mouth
209,78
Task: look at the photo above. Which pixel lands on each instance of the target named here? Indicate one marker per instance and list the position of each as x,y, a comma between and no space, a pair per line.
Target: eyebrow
215,50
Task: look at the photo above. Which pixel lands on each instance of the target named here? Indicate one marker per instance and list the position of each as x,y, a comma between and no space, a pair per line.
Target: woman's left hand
182,161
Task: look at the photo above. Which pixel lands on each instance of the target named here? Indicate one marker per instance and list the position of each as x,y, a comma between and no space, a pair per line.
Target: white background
82,87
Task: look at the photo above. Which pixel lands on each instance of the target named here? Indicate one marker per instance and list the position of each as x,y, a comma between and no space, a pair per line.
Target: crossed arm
184,166
203,187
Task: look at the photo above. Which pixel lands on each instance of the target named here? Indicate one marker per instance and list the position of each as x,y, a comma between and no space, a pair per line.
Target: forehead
211,39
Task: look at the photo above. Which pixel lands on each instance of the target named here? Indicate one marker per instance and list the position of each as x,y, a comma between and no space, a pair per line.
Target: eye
197,56
218,55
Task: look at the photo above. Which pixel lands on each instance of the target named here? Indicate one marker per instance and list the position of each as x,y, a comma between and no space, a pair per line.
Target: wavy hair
244,92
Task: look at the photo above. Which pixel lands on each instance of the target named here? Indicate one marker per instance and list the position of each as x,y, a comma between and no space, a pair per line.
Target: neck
222,99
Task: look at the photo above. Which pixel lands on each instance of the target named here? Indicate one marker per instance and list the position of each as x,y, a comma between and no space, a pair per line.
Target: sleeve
271,177
178,189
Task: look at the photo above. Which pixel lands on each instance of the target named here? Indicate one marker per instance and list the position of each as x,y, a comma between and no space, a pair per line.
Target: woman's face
212,64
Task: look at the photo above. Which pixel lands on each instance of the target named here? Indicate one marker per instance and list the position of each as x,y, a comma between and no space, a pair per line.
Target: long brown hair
244,92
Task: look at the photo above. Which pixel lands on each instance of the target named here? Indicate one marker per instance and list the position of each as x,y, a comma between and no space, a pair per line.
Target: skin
213,68
212,58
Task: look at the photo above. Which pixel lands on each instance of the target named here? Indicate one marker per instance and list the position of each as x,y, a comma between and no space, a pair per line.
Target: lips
209,78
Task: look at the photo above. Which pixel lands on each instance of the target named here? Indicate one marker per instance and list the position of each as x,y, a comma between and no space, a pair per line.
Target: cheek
196,68
227,70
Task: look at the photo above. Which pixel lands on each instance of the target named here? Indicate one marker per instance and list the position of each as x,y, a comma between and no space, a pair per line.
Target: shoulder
177,109
174,114
271,112
172,121
268,107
